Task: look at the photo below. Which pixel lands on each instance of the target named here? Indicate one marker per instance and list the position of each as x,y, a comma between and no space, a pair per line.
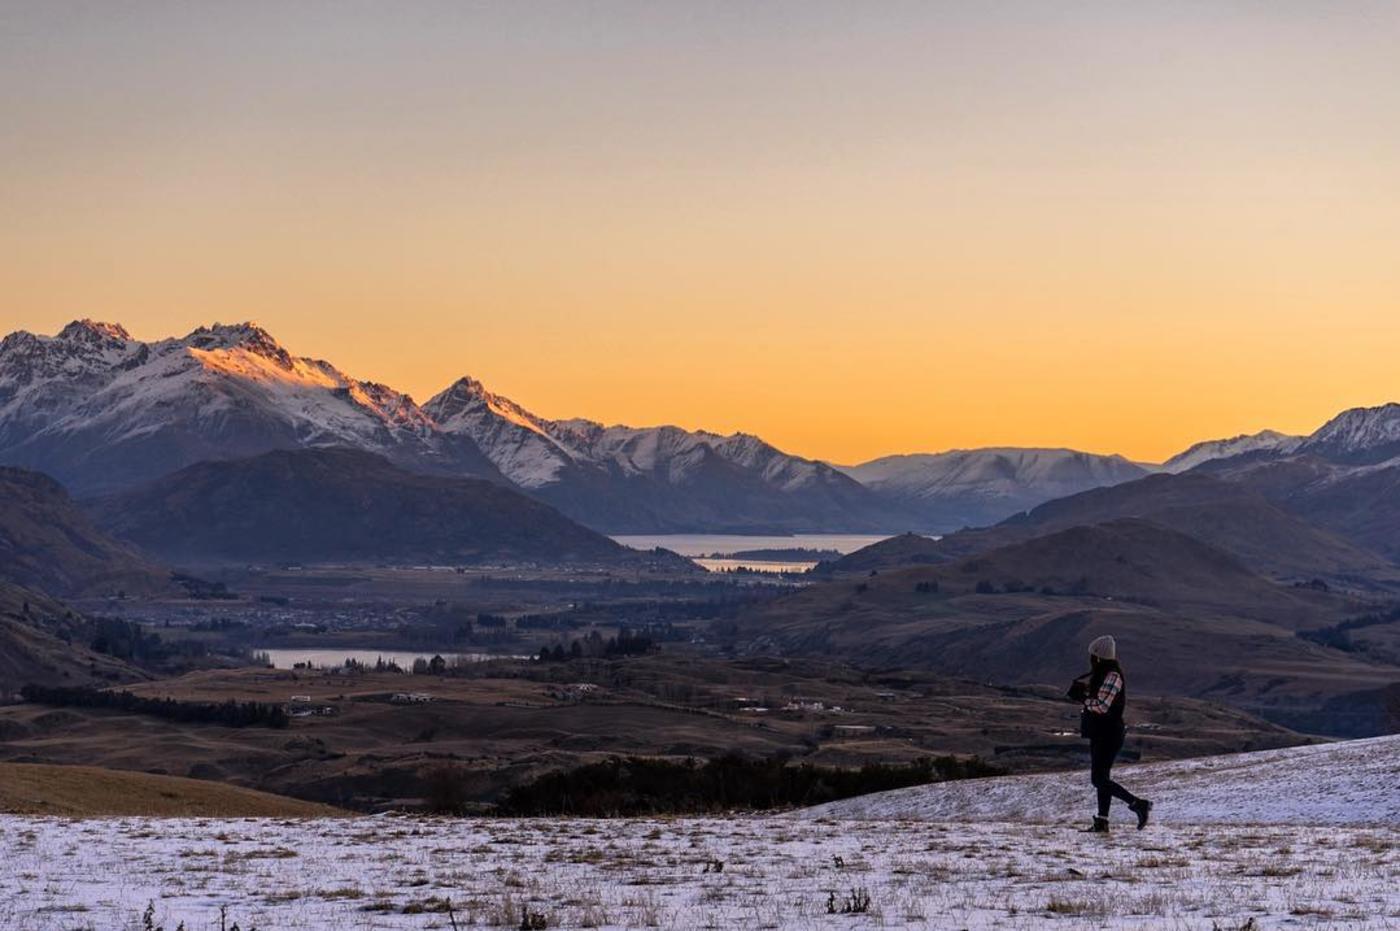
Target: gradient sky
851,228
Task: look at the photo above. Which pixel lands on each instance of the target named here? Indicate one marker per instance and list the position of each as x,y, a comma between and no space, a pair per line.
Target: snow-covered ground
399,873
999,854
1354,782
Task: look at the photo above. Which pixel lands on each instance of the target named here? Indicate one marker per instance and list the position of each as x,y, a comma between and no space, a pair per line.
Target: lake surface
700,545
332,658
703,544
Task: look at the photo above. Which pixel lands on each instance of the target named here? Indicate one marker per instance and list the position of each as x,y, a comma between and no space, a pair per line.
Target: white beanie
1104,648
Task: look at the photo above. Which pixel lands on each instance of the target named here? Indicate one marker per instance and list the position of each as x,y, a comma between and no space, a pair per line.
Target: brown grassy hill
1191,621
1138,561
907,549
1228,515
48,544
1359,504
86,791
33,648
332,505
505,724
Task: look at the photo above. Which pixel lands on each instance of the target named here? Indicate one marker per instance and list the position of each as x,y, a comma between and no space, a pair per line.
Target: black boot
1100,826
1142,808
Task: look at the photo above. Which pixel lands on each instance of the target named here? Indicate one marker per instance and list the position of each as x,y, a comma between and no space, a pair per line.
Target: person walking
1103,692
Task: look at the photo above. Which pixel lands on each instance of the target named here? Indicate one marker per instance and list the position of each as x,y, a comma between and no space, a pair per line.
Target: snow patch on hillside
1354,782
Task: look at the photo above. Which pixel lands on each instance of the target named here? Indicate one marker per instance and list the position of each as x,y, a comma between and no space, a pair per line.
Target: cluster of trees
646,786
548,622
229,714
129,641
1338,636
380,665
114,636
594,646
987,587
434,667
203,589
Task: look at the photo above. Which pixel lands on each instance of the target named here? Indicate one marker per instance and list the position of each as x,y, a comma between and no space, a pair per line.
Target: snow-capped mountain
99,410
517,442
1360,436
644,479
1265,441
977,487
102,411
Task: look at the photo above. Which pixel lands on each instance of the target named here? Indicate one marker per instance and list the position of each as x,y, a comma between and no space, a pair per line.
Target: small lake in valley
713,550
333,658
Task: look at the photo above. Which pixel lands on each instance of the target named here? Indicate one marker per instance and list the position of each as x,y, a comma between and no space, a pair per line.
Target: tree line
1338,636
594,646
229,713
639,786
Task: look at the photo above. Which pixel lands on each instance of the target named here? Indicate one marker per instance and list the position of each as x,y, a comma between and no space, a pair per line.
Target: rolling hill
342,505
37,644
1228,515
1191,620
87,792
48,544
331,505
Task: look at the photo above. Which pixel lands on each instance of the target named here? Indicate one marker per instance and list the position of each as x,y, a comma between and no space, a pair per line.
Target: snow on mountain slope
974,487
532,451
101,411
97,409
1360,436
1353,782
644,479
517,442
1208,450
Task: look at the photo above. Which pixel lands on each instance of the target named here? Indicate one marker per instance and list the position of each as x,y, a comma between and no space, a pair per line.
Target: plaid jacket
1102,701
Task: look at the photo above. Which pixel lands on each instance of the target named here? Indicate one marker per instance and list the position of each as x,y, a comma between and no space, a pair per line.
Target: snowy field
930,857
776,873
1356,782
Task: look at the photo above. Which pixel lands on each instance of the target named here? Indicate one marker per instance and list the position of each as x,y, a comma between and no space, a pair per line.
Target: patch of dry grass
87,791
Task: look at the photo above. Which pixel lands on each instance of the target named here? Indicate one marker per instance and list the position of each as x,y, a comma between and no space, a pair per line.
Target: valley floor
777,872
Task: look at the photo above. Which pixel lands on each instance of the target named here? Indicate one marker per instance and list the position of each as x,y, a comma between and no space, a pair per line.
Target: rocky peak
1360,435
94,332
247,336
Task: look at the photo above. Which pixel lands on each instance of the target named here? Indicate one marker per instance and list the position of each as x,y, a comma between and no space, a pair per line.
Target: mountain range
975,487
104,413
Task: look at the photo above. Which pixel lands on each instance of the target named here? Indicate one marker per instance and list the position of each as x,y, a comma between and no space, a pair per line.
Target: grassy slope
32,649
85,791
503,728
49,545
1190,620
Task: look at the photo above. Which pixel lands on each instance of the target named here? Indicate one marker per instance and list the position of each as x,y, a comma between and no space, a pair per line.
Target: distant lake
332,658
703,544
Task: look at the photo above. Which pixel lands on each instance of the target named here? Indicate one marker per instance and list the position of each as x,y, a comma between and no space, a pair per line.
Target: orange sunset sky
851,228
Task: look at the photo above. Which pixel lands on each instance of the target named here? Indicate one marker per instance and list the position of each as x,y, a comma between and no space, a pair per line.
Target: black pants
1102,751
